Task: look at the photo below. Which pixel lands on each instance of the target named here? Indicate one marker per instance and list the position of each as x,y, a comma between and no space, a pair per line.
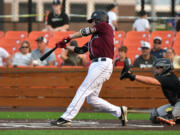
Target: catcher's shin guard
153,116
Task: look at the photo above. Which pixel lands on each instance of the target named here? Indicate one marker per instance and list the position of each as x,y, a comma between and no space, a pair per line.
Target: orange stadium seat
83,40
18,35
166,34
35,34
167,38
134,46
178,35
119,37
133,40
60,34
176,46
52,42
11,45
133,56
1,34
144,35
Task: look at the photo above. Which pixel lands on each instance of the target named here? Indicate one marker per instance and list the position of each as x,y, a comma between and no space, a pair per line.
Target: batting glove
63,42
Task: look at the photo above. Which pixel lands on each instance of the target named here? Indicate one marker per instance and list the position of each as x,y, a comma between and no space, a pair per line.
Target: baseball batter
170,84
101,50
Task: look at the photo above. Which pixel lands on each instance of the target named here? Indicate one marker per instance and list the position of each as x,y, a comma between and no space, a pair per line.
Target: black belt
99,59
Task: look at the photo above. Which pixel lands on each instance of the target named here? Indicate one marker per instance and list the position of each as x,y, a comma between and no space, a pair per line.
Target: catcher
170,84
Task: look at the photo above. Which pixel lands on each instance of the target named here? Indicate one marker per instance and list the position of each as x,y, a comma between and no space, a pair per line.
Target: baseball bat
48,53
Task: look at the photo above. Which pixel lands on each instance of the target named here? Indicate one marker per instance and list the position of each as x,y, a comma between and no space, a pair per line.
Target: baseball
35,62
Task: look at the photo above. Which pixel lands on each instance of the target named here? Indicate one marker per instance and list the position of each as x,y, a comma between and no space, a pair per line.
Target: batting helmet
165,64
99,16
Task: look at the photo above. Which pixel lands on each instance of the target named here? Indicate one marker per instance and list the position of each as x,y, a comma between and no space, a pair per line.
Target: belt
99,59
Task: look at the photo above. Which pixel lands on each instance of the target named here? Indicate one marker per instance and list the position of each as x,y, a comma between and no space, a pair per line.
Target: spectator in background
157,51
145,60
141,24
73,59
57,20
170,24
23,57
119,62
178,26
112,14
173,57
177,23
41,50
5,58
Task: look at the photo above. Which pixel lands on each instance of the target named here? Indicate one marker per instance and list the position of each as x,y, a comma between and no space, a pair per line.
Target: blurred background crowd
144,30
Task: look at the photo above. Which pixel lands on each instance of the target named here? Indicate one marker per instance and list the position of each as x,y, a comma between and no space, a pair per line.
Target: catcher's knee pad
169,113
169,109
154,114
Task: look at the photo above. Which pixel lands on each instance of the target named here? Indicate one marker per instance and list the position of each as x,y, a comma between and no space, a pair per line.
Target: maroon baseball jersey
102,41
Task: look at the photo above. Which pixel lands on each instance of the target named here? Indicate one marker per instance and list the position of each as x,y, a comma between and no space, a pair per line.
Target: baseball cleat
166,121
61,123
123,117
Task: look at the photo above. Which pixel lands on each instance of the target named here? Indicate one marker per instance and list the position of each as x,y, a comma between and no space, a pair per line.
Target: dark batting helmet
99,16
165,64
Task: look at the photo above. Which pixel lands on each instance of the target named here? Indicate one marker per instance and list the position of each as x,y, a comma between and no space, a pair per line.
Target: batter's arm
147,80
83,32
79,50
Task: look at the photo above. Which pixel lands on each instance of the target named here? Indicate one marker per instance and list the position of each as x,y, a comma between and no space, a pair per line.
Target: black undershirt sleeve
81,50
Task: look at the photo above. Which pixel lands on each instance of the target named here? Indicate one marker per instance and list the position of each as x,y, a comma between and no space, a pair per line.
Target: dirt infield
84,124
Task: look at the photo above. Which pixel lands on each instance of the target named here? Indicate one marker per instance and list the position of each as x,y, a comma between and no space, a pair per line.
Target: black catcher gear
165,64
153,116
126,73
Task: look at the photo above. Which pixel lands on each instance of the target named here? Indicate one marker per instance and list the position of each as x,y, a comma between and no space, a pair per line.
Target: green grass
87,132
55,115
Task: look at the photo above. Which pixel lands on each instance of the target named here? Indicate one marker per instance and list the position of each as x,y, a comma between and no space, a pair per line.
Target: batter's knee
91,100
154,114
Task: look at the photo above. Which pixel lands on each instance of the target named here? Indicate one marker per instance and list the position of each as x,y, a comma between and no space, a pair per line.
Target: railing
55,87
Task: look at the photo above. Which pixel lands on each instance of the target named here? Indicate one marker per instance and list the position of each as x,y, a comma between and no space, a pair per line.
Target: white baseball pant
176,110
98,73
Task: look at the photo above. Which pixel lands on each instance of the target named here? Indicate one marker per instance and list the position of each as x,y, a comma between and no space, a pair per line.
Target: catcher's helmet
99,16
165,64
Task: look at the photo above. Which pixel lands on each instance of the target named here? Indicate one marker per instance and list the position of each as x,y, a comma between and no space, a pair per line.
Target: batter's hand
63,42
126,73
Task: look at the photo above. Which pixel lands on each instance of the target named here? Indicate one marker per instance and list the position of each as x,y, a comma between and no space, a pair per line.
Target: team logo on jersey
56,19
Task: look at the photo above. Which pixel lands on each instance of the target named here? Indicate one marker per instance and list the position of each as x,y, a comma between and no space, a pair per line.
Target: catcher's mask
165,64
98,16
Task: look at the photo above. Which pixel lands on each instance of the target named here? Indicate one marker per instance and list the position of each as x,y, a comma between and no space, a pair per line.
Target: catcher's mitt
126,73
